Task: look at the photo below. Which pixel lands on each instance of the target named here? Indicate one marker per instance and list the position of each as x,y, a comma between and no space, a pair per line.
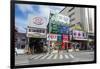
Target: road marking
61,56
34,56
44,56
71,55
38,56
55,56
66,56
50,56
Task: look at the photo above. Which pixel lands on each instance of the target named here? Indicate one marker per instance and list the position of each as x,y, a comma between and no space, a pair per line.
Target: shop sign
37,21
52,37
65,38
79,35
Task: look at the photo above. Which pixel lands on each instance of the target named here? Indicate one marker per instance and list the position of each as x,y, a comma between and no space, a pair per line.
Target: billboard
37,21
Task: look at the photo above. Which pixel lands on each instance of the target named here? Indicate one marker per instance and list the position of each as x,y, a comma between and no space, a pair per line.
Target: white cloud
56,9
45,10
20,24
25,7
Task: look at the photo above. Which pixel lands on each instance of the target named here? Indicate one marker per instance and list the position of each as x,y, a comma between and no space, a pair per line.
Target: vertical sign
65,38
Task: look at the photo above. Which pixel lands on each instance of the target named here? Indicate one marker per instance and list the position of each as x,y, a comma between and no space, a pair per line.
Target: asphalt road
54,58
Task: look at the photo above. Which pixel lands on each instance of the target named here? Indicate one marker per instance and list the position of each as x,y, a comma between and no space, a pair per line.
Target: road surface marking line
38,56
66,56
55,56
44,56
34,56
61,56
71,55
50,56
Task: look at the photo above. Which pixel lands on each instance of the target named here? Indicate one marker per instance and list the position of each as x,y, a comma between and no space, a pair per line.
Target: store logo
38,20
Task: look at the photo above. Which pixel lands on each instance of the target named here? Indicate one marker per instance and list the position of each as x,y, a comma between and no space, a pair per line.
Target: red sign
65,38
38,20
52,37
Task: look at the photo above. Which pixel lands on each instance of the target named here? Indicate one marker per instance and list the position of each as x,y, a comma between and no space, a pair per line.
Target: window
83,34
23,39
29,30
22,46
72,19
71,14
32,30
71,9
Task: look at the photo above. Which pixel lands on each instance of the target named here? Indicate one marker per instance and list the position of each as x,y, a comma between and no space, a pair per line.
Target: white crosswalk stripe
50,56
55,57
71,55
61,56
34,56
44,56
38,56
66,56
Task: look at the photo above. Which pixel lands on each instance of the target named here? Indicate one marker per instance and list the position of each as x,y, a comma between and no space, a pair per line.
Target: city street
54,58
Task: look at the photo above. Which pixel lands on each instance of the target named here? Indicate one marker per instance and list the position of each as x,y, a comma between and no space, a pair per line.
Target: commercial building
36,33
20,40
81,20
58,36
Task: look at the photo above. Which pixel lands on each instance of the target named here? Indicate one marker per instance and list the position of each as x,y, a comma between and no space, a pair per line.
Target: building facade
20,40
81,19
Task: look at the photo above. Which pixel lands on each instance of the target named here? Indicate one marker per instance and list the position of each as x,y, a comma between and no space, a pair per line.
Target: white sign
79,34
36,35
37,21
36,32
52,37
61,18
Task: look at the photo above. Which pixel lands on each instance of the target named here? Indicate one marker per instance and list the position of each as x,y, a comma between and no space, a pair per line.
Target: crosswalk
52,56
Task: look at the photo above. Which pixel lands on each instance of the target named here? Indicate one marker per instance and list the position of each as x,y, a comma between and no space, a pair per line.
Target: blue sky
23,10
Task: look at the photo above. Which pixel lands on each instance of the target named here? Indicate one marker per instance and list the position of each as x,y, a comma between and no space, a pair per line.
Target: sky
23,10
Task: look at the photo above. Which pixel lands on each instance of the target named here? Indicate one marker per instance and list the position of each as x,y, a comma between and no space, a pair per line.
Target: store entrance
36,45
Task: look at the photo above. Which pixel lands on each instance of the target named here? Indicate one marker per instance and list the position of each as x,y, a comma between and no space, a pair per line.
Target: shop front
36,40
79,40
52,41
36,33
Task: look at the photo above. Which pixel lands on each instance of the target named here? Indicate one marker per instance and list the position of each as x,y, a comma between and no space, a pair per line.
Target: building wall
21,40
84,16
